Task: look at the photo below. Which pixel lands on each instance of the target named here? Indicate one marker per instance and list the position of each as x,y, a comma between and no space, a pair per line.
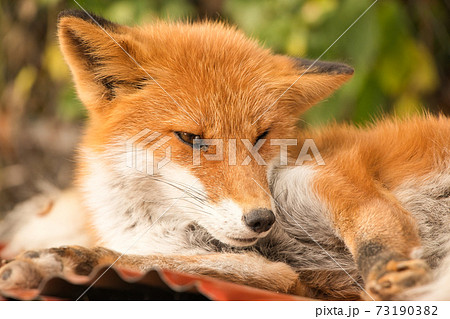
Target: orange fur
209,80
358,188
217,76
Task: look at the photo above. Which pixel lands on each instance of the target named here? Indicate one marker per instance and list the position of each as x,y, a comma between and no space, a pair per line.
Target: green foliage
393,69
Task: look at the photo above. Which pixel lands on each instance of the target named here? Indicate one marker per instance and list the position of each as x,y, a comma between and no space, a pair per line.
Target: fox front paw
386,282
29,269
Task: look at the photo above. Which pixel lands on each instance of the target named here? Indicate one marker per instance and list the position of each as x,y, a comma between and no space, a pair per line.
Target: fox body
382,198
172,88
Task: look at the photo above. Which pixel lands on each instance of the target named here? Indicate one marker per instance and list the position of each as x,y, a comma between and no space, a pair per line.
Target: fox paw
388,281
29,269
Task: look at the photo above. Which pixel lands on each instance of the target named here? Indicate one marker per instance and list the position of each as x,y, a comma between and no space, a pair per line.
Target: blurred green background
400,51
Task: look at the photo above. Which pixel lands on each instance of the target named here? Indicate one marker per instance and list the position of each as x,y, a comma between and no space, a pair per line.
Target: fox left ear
315,80
100,55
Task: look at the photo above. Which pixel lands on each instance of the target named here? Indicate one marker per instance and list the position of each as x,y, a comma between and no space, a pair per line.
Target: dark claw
31,254
6,274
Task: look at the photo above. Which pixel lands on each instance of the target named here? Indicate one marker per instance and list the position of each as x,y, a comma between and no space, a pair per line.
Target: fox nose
259,220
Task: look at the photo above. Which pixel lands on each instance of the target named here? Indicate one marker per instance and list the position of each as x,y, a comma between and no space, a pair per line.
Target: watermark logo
140,151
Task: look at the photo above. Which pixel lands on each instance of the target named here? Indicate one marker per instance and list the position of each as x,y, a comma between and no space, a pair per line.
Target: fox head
202,104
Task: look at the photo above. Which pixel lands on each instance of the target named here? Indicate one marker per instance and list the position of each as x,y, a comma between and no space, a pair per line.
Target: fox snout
259,220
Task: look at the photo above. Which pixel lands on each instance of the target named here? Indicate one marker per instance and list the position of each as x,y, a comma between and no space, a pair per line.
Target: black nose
260,219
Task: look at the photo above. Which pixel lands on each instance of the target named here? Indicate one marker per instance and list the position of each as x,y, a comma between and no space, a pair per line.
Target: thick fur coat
370,222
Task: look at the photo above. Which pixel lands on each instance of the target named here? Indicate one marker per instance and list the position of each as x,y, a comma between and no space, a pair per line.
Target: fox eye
262,136
189,138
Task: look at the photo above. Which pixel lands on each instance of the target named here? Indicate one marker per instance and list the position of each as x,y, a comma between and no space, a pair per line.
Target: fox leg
384,248
30,268
381,235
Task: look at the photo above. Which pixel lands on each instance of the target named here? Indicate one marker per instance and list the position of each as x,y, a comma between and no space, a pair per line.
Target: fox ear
315,80
98,53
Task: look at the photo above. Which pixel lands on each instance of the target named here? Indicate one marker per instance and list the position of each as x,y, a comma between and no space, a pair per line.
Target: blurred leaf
314,11
424,77
407,105
48,3
25,80
70,107
122,12
53,61
297,43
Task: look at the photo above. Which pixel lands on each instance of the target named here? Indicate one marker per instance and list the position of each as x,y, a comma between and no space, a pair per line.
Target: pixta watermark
141,148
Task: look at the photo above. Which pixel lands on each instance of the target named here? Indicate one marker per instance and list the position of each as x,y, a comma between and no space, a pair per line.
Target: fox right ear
314,80
100,55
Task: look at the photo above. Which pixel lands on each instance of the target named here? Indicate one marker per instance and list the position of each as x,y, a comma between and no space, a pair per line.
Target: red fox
173,169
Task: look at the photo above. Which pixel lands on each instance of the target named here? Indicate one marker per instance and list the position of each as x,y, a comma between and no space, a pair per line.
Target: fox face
181,123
